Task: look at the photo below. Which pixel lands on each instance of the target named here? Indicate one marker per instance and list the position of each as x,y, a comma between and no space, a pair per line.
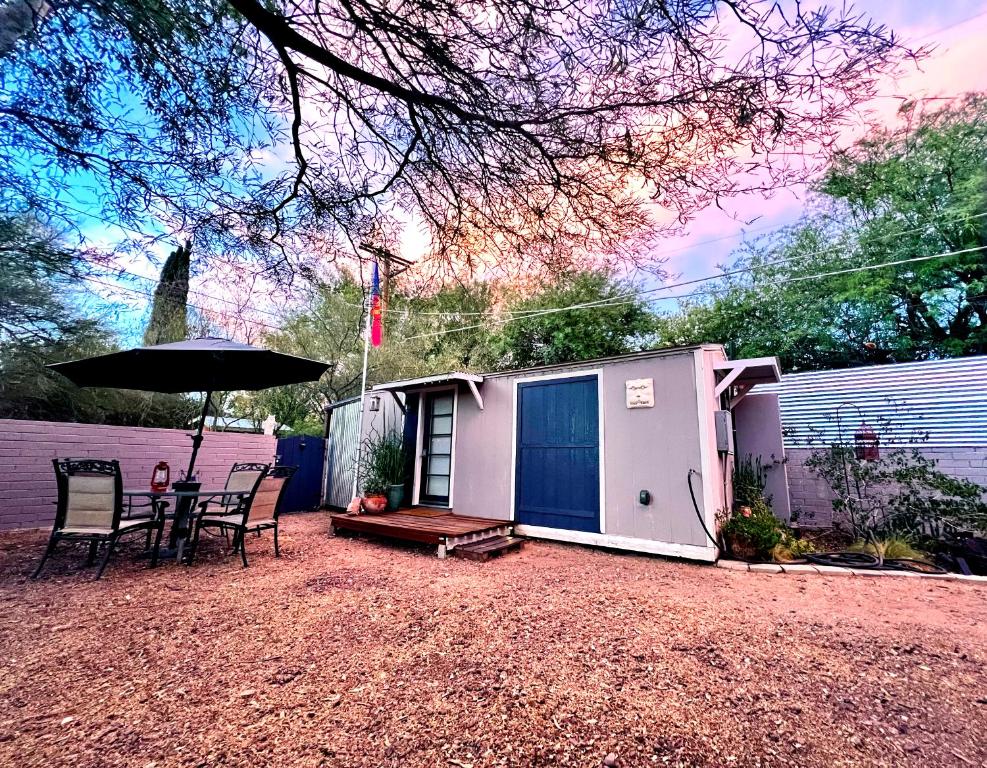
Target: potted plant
752,531
387,462
374,494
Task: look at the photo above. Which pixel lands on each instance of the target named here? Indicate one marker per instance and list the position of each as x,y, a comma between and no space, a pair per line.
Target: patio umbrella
199,365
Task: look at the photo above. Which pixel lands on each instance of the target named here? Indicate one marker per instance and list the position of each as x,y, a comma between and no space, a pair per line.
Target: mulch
346,652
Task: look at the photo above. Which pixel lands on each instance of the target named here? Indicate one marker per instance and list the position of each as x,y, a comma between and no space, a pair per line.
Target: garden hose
843,559
695,506
864,560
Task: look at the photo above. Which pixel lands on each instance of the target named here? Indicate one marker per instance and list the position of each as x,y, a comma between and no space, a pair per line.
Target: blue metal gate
304,490
557,480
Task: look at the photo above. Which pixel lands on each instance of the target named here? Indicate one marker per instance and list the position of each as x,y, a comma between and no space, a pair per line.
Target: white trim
476,393
418,455
706,466
745,366
689,551
571,374
727,380
419,437
455,376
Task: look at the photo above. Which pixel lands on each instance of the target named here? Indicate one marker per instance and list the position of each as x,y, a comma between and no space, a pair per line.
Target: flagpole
363,397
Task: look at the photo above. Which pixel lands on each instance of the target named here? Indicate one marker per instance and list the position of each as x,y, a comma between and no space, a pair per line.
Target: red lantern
160,477
865,442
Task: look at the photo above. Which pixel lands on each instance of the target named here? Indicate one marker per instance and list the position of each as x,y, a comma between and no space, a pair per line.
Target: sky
957,28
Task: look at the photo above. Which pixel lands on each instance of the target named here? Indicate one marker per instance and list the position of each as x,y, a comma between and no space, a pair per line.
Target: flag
376,311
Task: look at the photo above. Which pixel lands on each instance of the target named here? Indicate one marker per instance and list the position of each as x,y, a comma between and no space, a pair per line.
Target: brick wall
812,499
27,482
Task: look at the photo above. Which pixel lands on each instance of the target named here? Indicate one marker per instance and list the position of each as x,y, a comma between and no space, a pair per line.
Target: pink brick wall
27,481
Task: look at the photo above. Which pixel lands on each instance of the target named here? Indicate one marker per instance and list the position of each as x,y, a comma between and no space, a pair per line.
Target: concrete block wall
27,481
811,498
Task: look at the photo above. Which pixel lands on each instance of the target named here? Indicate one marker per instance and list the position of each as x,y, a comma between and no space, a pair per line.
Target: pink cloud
956,66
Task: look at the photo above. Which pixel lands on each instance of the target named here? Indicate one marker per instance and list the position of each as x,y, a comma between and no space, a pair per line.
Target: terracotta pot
741,548
374,504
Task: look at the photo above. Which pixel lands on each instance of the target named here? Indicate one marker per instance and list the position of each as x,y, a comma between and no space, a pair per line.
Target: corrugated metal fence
341,453
383,414
933,403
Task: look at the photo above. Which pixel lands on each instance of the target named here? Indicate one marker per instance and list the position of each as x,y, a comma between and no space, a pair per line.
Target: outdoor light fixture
375,403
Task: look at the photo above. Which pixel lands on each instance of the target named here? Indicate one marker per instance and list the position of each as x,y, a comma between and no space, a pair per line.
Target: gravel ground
356,653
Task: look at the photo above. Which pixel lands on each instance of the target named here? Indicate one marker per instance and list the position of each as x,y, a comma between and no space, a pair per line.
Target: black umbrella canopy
199,365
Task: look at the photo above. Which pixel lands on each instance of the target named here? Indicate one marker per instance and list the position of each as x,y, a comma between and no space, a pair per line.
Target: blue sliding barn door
557,480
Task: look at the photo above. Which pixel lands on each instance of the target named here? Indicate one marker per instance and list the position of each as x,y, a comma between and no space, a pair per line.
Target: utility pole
392,265
388,258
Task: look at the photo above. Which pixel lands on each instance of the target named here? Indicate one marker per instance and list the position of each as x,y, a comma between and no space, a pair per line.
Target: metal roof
426,381
928,403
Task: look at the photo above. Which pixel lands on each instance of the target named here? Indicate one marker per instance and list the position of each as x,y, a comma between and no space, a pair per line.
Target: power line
146,294
122,271
613,301
727,273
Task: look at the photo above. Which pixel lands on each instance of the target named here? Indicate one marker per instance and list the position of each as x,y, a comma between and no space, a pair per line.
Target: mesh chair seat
236,520
96,531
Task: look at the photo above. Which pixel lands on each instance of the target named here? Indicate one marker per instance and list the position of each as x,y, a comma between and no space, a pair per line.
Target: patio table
178,537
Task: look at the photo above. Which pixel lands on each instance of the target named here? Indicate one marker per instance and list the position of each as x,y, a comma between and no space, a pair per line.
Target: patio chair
254,513
90,509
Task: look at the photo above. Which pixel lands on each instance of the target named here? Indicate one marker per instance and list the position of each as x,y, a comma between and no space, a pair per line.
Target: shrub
900,494
890,548
791,548
749,481
753,530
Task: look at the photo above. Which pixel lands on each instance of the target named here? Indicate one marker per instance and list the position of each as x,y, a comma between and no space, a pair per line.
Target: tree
416,342
898,195
915,190
613,324
40,323
36,273
524,136
169,311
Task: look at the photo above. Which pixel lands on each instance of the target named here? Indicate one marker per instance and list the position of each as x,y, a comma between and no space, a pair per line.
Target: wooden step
487,548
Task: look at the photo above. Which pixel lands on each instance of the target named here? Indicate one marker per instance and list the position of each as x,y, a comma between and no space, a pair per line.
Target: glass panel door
436,448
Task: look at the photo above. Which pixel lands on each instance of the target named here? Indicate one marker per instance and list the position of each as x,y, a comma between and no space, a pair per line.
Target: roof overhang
472,380
738,376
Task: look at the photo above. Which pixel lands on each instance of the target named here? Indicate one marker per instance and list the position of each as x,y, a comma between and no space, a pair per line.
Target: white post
363,388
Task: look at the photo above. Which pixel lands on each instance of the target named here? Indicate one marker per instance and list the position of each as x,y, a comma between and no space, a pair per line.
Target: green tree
897,195
41,324
169,311
916,190
615,323
36,274
416,342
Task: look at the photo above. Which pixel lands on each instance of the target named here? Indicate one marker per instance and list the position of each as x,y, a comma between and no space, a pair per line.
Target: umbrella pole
197,437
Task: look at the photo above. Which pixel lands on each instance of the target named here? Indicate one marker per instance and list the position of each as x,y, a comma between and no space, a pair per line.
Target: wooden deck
440,527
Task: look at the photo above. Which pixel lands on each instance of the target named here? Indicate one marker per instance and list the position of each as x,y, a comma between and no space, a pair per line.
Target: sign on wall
640,393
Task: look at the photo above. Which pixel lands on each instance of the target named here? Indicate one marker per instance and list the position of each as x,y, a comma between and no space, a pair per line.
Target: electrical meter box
724,431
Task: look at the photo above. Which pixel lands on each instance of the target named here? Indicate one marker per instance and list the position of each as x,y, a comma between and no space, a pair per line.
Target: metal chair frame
244,526
154,524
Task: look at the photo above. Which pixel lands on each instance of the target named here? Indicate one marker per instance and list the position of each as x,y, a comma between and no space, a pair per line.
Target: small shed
632,452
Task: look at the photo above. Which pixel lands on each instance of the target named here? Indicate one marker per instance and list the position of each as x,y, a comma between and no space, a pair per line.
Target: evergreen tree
169,313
